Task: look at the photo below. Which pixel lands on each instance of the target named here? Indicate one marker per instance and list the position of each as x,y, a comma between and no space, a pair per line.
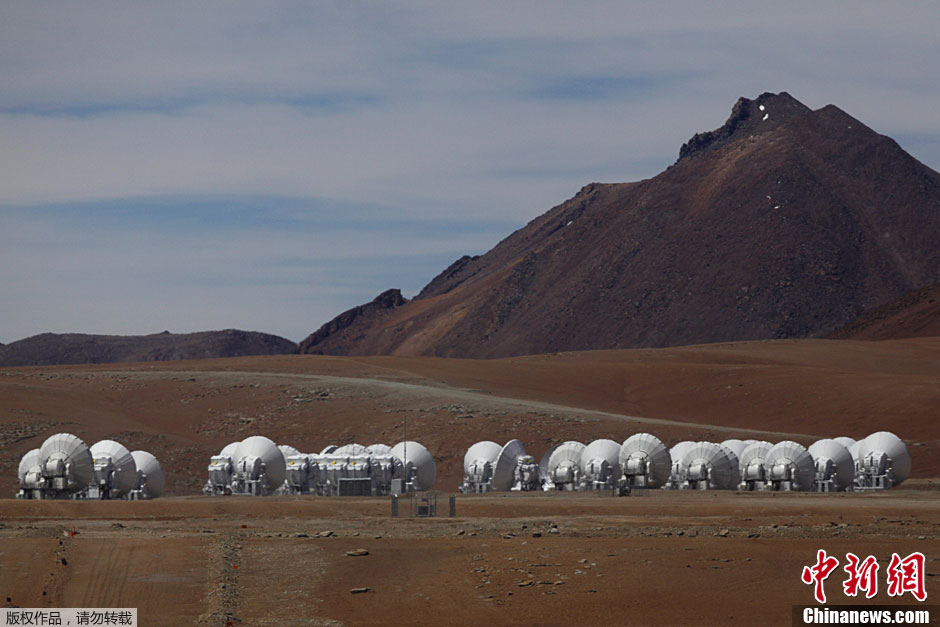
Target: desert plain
663,558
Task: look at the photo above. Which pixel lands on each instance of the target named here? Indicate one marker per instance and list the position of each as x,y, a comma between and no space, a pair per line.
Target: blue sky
190,166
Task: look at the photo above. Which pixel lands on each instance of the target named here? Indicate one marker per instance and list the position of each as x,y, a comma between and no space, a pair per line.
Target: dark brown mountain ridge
783,222
78,348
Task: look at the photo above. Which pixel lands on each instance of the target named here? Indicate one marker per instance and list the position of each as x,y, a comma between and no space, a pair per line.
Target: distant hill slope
784,222
916,314
76,348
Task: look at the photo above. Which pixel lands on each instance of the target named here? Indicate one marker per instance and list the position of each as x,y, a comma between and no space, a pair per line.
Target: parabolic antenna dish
425,470
149,466
645,446
378,449
720,469
72,448
125,469
275,468
485,450
891,445
350,449
543,464
29,461
602,449
733,458
854,451
506,464
287,450
840,457
845,441
229,449
328,449
796,455
753,454
569,451
736,446
679,450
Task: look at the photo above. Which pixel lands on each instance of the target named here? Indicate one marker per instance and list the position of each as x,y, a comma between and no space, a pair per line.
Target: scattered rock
723,533
359,590
527,582
357,552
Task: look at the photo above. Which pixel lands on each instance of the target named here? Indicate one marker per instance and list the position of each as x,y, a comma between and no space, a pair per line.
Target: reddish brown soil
666,559
656,559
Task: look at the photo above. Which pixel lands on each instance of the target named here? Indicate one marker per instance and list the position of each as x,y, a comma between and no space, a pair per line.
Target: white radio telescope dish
481,451
69,450
733,458
229,449
833,463
647,453
351,449
788,463
736,446
506,464
751,460
414,453
275,468
679,449
564,465
149,467
846,441
708,465
29,461
569,452
378,449
892,446
125,469
543,464
600,462
287,450
328,449
479,462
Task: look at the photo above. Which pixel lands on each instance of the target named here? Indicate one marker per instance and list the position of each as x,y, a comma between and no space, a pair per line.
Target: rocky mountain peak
765,112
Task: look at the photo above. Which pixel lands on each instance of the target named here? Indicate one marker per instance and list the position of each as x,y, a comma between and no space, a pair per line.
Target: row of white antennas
65,468
257,466
877,462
